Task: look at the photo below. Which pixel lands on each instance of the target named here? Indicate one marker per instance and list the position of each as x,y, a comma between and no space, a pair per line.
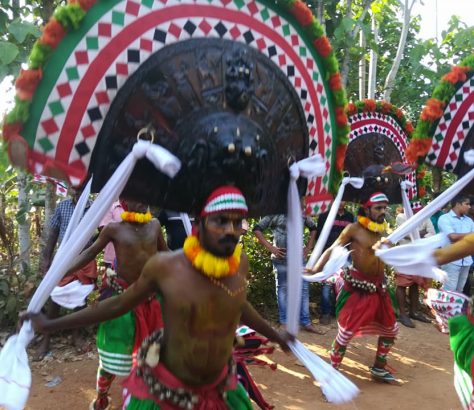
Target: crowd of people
173,343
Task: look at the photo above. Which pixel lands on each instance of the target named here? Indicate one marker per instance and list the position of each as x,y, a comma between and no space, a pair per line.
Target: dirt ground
421,359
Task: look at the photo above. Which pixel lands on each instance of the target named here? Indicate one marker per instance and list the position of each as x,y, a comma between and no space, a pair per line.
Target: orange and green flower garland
303,15
210,265
64,19
434,109
383,107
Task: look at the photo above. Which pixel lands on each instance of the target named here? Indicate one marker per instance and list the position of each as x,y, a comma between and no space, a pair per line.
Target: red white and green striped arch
381,117
89,49
446,120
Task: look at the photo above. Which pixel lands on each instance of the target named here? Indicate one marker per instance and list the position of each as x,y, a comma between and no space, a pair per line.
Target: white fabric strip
416,258
15,375
338,258
308,167
323,238
431,208
186,222
404,185
72,295
334,385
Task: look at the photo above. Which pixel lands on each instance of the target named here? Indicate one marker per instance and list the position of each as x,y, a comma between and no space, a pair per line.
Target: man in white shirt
456,223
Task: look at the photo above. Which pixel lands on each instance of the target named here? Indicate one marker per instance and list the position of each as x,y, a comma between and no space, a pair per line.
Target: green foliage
261,289
18,31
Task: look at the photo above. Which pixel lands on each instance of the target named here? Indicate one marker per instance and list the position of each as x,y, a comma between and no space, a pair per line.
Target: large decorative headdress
445,129
236,89
378,139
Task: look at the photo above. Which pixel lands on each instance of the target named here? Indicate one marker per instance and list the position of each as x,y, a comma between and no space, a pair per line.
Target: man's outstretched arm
90,253
344,238
111,308
252,319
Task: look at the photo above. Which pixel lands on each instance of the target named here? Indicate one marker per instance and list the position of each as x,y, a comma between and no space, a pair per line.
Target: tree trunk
362,66
344,69
46,10
436,178
24,239
373,60
49,207
390,80
320,14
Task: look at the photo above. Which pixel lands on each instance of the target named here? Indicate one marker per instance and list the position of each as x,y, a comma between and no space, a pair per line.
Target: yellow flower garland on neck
209,264
373,226
137,217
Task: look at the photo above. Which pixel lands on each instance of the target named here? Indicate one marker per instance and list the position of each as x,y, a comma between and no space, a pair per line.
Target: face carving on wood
224,109
375,158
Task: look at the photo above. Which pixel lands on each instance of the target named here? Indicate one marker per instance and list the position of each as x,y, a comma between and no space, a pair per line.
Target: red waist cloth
367,313
87,275
148,315
210,397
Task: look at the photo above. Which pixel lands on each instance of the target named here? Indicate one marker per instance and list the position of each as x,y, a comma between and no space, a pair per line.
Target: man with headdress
203,287
363,306
135,239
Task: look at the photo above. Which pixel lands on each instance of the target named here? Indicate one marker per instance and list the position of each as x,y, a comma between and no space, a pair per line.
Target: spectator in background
277,224
112,215
343,218
403,282
87,275
175,230
435,217
457,224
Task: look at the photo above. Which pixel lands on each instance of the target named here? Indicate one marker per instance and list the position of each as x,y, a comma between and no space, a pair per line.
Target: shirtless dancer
364,307
203,287
136,238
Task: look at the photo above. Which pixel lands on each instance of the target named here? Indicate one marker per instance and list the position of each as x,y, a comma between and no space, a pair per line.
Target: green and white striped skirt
115,340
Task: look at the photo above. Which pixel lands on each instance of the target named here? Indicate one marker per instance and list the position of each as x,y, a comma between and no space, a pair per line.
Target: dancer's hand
39,321
283,339
384,242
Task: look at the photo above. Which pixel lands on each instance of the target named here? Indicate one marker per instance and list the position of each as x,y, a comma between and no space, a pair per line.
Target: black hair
459,199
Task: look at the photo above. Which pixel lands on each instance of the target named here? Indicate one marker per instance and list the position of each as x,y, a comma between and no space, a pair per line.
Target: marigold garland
208,264
383,107
53,33
65,18
137,217
434,108
373,226
27,82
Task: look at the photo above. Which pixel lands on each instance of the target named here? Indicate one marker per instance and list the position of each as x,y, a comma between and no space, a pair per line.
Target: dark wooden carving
224,109
368,156
462,168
